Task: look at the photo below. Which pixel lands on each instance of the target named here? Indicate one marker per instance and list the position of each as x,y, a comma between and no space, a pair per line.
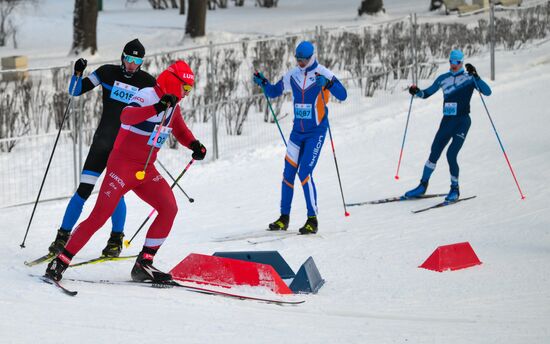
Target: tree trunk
84,26
196,18
182,6
371,6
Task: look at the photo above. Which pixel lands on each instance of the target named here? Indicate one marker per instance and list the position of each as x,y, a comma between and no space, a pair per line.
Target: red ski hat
174,77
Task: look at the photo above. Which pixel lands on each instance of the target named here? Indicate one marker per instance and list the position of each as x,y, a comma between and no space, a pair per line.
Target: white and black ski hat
134,48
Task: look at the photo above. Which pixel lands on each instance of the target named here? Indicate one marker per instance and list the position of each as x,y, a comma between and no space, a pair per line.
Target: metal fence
375,62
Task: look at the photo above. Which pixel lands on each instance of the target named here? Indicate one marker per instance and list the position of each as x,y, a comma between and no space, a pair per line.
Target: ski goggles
455,62
132,59
302,59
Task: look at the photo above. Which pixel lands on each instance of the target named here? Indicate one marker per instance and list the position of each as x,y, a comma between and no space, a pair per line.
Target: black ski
442,204
101,260
193,288
44,259
58,285
395,199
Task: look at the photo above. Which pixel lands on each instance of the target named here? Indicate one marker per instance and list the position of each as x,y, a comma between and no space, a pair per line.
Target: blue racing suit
309,128
457,92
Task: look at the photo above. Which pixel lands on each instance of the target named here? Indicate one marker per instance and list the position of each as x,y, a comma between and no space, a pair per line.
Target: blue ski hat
304,50
456,55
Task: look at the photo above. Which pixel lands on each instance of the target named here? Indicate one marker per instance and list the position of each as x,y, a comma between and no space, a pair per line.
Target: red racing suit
131,148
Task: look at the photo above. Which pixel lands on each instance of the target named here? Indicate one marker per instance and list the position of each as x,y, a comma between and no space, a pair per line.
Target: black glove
199,151
80,65
166,101
472,70
413,90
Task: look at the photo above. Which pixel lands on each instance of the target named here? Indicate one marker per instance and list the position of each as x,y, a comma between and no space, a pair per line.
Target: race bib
123,92
450,109
162,136
302,111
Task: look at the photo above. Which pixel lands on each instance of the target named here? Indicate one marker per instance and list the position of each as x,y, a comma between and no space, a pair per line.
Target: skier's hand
167,100
413,90
260,79
79,66
199,150
321,81
472,70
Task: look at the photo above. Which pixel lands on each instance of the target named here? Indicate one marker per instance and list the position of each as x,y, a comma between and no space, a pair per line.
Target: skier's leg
292,158
441,139
156,192
312,150
459,137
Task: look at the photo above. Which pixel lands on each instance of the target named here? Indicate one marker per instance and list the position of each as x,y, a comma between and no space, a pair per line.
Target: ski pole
69,102
499,141
334,155
404,136
141,174
128,242
273,113
191,200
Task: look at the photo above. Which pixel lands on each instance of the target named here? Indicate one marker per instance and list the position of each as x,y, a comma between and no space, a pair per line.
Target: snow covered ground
374,291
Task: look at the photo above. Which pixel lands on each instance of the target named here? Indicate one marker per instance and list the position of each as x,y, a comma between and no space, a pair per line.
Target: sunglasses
133,59
302,59
455,62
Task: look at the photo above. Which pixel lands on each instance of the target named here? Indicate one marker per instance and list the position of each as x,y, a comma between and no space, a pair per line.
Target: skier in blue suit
311,85
457,87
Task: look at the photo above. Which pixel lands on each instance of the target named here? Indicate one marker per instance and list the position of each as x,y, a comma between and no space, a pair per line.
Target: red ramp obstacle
248,268
451,257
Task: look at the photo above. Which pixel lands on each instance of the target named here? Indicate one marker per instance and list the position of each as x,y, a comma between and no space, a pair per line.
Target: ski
254,235
194,288
262,240
101,260
395,199
48,280
442,204
44,259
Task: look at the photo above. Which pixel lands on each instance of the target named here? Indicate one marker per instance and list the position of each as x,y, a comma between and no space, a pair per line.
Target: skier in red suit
152,114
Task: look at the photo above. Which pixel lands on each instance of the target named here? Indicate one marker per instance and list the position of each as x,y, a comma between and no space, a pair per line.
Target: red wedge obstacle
451,257
228,272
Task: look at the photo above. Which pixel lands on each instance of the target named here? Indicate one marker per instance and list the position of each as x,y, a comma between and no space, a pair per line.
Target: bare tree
196,18
84,26
182,7
7,26
371,6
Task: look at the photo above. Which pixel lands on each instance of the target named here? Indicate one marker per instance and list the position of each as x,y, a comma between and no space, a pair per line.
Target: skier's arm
134,113
430,90
337,89
482,87
84,85
274,91
180,130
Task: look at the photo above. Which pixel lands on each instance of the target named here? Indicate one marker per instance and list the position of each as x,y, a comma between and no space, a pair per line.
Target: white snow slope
375,292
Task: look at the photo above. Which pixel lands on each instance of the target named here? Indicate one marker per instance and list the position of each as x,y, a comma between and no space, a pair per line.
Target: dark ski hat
134,48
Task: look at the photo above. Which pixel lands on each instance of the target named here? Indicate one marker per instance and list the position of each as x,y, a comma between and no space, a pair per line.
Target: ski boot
114,245
453,195
60,241
144,271
310,227
280,224
57,267
417,191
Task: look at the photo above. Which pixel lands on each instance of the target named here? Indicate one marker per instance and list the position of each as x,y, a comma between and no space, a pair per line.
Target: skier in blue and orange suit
311,85
457,87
